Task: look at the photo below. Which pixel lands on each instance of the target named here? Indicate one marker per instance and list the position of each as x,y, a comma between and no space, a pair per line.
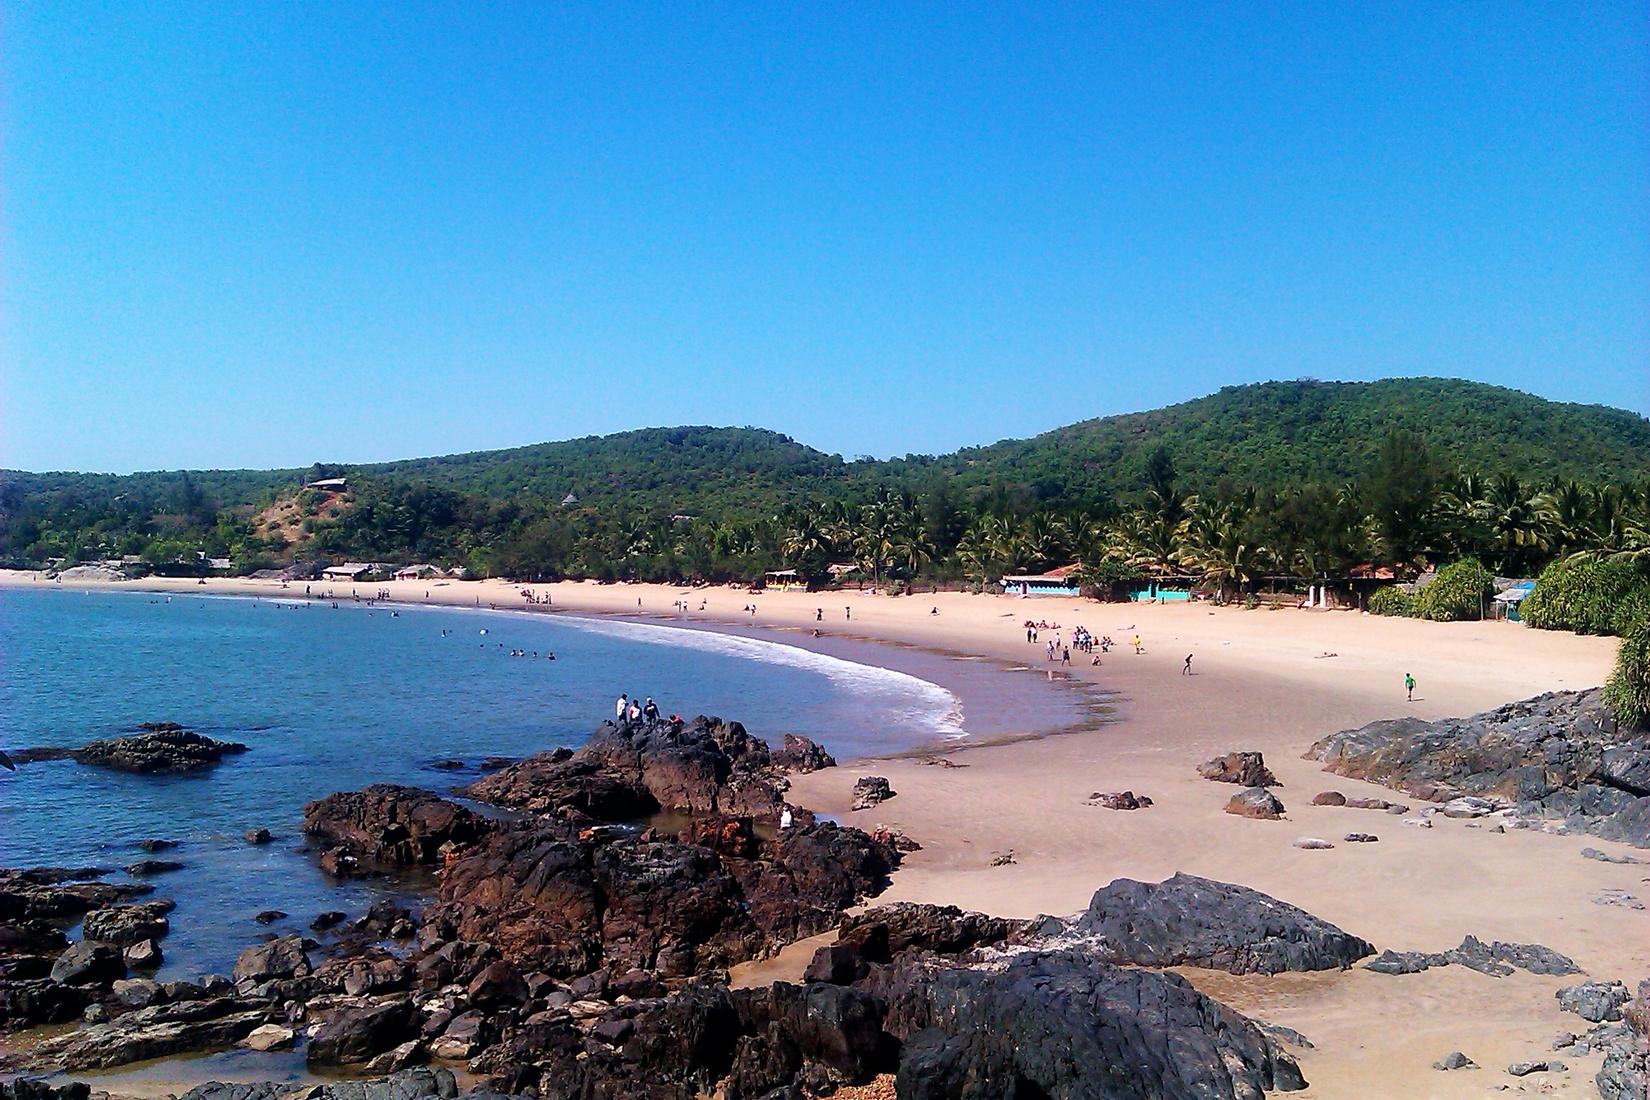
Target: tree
1401,492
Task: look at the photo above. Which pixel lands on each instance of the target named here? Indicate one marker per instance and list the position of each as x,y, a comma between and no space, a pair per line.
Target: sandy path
1261,683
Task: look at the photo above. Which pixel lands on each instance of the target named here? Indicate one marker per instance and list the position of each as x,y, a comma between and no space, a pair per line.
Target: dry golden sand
1263,682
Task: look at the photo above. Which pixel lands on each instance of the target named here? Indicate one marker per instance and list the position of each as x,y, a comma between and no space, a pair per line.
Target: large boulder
153,1032
280,958
128,924
164,747
390,825
56,893
1192,921
1066,1026
89,963
801,754
1561,756
359,1032
1256,802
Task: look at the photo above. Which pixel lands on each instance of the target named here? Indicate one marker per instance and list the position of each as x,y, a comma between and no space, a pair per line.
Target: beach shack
1510,596
416,572
785,580
353,571
1061,581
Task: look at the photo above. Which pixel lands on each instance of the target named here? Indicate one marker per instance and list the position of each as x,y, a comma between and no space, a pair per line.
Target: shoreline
1269,680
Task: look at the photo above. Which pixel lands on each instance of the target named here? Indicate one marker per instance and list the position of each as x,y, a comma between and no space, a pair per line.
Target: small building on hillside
329,485
569,500
1061,581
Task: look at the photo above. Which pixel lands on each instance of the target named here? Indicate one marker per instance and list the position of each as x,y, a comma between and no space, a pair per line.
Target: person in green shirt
1409,687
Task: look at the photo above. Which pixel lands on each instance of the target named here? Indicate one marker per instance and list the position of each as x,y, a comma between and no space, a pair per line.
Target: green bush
1588,595
1391,600
1460,591
1627,692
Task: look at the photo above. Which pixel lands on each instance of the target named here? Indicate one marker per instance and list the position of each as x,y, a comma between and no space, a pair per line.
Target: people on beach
785,818
1186,668
620,705
847,613
1137,648
1409,687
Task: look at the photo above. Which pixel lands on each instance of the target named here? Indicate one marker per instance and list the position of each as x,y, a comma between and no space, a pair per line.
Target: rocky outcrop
801,754
1594,1001
630,769
1191,921
128,924
563,903
1246,769
153,1032
283,957
1119,800
1495,959
1560,756
164,747
1067,1026
391,826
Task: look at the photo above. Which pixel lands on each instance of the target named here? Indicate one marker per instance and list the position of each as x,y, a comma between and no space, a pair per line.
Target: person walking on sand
1137,648
1186,669
1409,687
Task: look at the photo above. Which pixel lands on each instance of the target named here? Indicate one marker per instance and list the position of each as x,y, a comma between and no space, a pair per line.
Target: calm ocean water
337,698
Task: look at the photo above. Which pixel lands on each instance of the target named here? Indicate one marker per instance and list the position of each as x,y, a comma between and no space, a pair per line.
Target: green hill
1275,434
667,501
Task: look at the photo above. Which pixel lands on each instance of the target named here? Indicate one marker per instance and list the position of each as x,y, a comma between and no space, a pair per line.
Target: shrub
1627,692
1391,600
1460,591
1588,595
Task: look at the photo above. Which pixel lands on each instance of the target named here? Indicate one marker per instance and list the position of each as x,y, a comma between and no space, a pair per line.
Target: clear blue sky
278,233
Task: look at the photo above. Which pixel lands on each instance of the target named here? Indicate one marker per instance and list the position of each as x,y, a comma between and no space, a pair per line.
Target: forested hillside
1277,479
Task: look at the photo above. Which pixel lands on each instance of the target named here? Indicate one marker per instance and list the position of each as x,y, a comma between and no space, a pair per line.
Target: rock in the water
1119,800
145,867
1191,921
128,924
164,748
1256,802
153,1032
156,845
1246,769
259,836
357,1034
143,955
1455,1060
389,825
279,958
1559,756
88,963
270,1037
869,791
1594,1001
270,916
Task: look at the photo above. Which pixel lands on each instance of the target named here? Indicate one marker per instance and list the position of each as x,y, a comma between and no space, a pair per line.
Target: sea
338,696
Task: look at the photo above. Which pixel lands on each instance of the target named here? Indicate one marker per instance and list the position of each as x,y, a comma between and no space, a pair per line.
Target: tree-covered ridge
1281,480
1275,434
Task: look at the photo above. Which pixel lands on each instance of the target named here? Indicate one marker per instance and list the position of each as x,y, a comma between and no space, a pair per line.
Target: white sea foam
908,698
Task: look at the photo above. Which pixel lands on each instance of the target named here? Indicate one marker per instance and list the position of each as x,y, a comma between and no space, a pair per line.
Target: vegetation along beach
903,552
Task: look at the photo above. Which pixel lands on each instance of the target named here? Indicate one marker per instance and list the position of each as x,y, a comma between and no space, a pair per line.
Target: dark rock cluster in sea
163,748
1559,757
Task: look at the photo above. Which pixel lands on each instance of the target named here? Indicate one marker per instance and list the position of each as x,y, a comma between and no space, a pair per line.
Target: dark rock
279,958
88,963
155,845
801,754
1404,962
1497,958
153,867
1186,920
143,955
259,836
1524,1069
1064,1026
332,918
1594,1001
1361,838
388,825
1119,800
1455,1060
166,748
356,1034
869,791
1256,802
1246,769
1329,798
1559,756
128,924
836,964
138,992
270,916
157,1031
499,985
48,893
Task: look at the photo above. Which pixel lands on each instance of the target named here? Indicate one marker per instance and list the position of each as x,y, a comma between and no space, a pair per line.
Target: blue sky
280,233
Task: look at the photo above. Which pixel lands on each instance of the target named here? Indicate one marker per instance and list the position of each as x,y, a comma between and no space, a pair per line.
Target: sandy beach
1268,680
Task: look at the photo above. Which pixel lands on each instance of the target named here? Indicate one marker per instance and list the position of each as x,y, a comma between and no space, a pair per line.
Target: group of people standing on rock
626,709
